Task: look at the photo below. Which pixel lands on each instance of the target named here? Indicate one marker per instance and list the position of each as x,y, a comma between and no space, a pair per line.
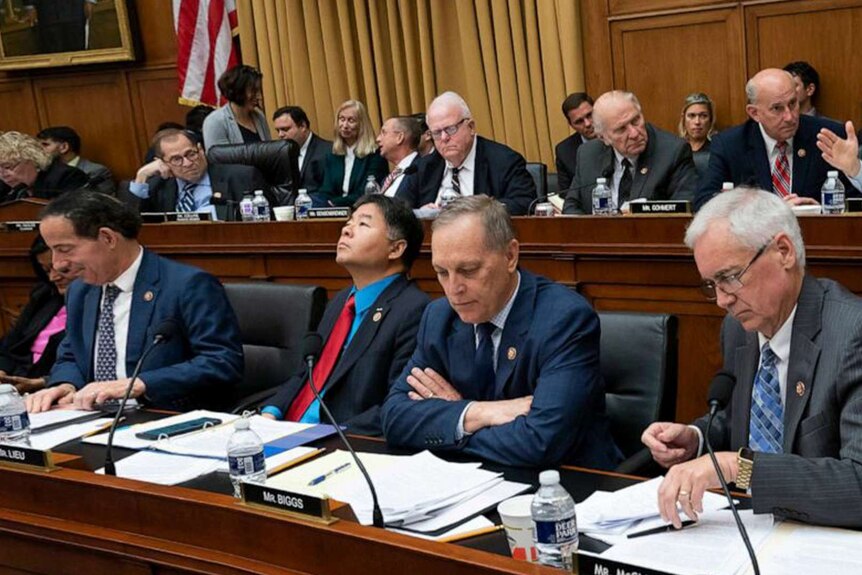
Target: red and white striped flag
205,48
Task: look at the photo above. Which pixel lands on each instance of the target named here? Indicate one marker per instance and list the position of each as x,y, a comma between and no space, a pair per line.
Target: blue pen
322,478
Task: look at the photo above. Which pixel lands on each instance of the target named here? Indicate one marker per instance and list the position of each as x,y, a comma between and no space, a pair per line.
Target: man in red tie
370,328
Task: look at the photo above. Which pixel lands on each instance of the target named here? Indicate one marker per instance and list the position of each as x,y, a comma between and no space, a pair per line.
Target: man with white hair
467,163
792,431
637,159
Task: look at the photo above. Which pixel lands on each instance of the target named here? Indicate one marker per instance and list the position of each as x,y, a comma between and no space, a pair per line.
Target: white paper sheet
51,439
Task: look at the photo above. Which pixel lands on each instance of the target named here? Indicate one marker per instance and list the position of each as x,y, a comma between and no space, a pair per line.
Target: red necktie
781,171
393,175
331,351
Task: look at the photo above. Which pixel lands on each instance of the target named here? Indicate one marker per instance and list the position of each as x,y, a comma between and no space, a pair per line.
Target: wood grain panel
664,58
16,107
155,21
153,94
621,7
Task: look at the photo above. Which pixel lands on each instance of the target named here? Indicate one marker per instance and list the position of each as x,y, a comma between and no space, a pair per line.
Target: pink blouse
56,325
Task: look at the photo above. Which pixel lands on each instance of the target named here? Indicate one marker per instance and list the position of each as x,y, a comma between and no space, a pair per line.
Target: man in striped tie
792,430
398,140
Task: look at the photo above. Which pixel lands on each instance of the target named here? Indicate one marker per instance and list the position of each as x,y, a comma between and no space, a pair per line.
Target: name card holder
299,505
22,226
854,205
329,213
180,217
593,565
660,207
18,456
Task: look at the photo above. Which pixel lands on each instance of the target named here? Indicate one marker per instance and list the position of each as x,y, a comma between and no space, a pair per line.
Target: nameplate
854,205
593,565
20,226
669,207
329,213
27,456
181,217
298,504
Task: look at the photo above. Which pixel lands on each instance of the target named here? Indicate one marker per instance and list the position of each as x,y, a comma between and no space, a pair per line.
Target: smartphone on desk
178,428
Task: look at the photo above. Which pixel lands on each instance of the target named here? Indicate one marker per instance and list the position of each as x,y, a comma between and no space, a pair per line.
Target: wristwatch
745,465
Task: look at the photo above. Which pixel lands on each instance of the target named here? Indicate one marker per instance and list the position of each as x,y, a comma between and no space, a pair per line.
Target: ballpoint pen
328,474
662,529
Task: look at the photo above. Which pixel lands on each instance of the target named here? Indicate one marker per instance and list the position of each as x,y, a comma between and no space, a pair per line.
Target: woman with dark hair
240,121
28,351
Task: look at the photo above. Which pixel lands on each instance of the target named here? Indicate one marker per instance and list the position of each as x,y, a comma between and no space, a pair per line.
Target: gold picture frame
48,33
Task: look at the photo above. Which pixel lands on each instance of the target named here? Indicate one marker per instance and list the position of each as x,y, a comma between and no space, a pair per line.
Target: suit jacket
566,153
54,180
665,171
376,355
99,176
816,479
220,127
738,155
549,349
230,180
196,368
501,173
409,173
313,167
331,190
15,355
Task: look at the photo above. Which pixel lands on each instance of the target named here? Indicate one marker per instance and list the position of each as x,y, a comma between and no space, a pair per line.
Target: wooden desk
618,263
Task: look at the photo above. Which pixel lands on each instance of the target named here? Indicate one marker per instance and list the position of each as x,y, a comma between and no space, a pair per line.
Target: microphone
719,394
164,332
312,345
220,199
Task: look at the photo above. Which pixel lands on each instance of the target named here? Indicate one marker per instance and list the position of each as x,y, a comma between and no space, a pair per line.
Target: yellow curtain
514,61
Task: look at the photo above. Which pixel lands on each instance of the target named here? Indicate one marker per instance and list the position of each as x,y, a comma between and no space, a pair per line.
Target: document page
797,548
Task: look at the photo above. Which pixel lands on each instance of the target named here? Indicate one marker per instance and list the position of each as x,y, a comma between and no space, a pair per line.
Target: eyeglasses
730,284
177,161
448,130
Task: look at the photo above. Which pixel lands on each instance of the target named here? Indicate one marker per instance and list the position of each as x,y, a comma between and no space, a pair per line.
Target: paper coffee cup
283,213
518,523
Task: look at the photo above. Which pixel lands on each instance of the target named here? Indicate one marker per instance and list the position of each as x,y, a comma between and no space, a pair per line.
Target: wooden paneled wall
114,107
664,49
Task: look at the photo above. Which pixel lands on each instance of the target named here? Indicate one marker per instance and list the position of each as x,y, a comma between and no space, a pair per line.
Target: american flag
205,48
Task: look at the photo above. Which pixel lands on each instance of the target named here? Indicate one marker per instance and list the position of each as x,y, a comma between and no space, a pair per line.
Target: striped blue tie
766,430
187,198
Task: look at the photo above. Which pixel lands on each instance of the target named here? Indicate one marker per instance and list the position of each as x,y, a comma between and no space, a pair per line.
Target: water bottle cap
241,424
727,186
832,174
550,477
258,192
6,388
601,180
303,191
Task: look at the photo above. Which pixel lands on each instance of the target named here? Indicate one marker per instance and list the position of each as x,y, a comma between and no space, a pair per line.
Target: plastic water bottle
14,421
303,203
447,196
555,527
246,208
371,186
832,194
245,456
603,202
261,207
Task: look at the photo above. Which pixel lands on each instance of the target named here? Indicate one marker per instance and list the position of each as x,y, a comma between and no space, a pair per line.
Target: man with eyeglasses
181,180
775,149
792,431
467,163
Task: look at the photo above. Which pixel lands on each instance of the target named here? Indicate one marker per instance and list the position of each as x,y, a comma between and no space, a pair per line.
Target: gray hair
495,219
753,85
602,101
451,99
754,218
18,147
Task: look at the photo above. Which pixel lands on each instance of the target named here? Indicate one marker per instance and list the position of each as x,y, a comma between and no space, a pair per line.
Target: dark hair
401,223
574,100
37,248
420,119
410,128
805,72
195,117
63,134
91,211
170,134
236,83
297,114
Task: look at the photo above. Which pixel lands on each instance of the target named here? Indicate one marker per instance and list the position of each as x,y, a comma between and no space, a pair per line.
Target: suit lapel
220,188
145,294
747,358
804,354
514,333
169,195
644,165
432,179
757,158
804,149
461,345
92,299
357,173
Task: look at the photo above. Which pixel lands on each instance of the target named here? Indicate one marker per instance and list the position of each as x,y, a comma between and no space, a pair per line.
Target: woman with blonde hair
353,158
28,171
697,126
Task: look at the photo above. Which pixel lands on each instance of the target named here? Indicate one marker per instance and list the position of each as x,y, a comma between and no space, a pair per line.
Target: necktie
766,430
331,350
483,362
625,191
393,175
106,344
781,171
187,198
456,184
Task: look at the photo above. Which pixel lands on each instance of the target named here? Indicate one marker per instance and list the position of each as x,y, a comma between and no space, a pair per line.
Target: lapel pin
377,316
800,388
217,195
148,296
801,153
512,353
644,170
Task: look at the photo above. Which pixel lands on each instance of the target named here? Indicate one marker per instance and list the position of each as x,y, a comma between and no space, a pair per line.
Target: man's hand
268,416
99,392
685,483
841,153
43,400
670,443
482,414
794,200
428,384
23,384
156,167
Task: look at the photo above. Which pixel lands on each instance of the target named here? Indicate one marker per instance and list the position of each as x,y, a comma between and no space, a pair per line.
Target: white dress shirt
349,158
402,165
303,149
466,174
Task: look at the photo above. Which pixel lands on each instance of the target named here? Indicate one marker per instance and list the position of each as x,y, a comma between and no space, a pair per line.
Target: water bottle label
13,423
302,210
247,464
556,532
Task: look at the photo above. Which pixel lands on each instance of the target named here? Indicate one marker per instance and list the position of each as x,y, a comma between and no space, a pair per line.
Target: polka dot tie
106,344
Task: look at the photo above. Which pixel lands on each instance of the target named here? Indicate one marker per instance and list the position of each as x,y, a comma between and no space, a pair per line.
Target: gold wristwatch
745,465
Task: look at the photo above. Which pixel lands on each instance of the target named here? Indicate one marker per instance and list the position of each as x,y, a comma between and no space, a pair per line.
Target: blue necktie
483,362
106,344
766,430
187,198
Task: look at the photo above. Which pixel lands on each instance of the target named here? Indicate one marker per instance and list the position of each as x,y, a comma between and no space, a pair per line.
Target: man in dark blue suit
124,293
378,244
506,368
775,135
